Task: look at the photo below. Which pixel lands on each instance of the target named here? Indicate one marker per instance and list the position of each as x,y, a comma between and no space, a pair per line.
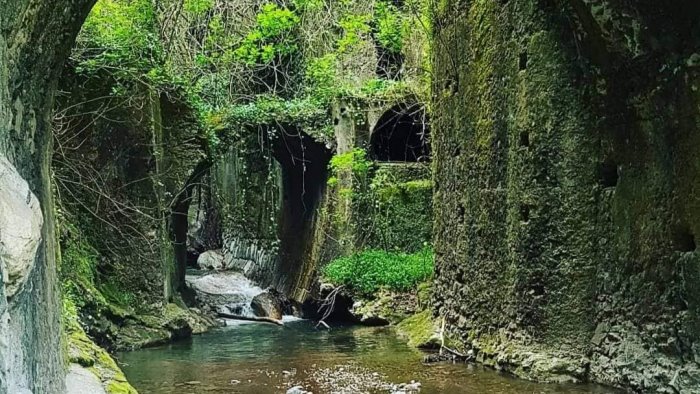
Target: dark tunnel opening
402,135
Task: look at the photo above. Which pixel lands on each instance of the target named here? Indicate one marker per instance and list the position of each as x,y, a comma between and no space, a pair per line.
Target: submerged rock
268,304
211,260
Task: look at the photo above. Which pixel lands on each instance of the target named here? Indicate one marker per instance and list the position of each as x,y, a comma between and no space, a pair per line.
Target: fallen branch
251,318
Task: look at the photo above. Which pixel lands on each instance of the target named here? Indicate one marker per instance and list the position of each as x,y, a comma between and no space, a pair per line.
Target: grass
371,270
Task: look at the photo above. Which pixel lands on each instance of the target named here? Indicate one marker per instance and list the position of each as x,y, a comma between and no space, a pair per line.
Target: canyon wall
566,188
35,38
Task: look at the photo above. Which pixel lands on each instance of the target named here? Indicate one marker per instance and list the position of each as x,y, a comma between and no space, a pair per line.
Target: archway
401,134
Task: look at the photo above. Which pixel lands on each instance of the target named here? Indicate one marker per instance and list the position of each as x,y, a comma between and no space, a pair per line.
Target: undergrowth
371,270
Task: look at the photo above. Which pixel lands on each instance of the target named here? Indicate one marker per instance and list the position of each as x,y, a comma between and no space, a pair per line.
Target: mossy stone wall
566,217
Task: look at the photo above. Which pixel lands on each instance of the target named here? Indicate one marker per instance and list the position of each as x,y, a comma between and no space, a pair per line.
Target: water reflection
250,358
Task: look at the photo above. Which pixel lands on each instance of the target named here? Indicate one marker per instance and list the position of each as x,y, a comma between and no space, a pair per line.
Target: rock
421,331
81,381
268,304
211,260
298,390
231,290
21,223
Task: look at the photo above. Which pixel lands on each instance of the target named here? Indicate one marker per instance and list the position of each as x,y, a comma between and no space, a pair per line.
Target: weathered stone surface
35,40
81,381
566,140
210,260
267,304
21,222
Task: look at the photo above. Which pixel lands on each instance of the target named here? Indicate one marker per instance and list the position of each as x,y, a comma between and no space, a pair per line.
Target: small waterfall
224,291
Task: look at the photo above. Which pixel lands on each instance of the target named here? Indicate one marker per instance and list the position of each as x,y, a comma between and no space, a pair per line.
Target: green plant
271,38
389,26
355,28
371,270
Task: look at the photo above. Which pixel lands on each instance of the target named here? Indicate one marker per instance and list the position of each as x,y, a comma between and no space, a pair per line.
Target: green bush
371,270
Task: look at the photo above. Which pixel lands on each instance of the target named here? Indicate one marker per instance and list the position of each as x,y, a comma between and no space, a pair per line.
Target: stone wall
388,208
246,183
566,179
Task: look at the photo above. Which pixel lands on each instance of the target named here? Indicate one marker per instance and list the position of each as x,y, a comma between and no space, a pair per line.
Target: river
262,358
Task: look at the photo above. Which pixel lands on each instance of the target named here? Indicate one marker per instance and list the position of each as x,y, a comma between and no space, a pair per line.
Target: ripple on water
263,358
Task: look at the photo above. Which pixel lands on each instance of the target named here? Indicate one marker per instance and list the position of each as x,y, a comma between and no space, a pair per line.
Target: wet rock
421,331
231,290
211,260
384,308
21,222
268,304
298,390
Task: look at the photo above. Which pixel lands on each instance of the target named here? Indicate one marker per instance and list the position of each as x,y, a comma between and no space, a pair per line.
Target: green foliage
272,38
355,29
321,79
389,26
354,162
270,109
308,5
119,36
372,270
198,7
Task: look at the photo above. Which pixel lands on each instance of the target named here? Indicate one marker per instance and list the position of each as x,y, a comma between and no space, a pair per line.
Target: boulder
268,304
21,222
222,288
211,260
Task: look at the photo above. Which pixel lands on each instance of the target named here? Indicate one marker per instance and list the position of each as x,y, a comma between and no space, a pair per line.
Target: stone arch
402,134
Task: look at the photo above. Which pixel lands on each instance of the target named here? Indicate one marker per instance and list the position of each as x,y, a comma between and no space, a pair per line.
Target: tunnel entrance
401,135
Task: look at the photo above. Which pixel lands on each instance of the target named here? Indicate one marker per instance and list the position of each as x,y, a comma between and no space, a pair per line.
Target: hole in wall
401,135
608,174
456,152
460,213
343,110
684,240
451,86
522,61
336,121
525,139
537,290
525,213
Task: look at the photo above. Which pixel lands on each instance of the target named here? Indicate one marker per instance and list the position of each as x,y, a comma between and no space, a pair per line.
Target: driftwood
251,318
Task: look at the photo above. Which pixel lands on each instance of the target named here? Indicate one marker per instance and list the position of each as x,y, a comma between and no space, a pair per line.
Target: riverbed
261,358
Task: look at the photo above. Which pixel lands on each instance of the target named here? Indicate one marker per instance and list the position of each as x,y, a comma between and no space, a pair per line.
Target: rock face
81,381
566,184
211,260
35,40
268,304
20,228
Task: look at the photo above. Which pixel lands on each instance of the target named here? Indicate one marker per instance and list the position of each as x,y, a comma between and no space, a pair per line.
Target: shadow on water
251,358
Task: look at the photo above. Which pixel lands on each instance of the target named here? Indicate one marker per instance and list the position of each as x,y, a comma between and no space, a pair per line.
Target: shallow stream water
261,358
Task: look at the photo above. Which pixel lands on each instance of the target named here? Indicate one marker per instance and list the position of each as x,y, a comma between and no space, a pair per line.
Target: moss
115,387
420,330
83,351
